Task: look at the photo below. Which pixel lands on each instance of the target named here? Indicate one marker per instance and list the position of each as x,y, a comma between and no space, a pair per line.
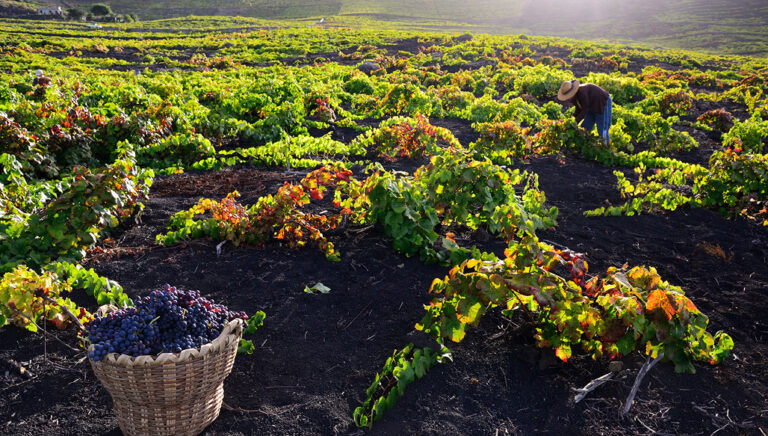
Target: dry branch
643,370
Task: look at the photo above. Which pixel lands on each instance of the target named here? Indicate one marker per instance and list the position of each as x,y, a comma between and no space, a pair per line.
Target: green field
395,199
712,26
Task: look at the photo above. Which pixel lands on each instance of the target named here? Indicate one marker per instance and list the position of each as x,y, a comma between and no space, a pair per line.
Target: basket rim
232,332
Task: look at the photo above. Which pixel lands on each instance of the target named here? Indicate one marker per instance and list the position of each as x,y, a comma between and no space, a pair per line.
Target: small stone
616,366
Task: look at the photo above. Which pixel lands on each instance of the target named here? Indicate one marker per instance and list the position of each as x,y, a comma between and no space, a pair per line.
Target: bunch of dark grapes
165,321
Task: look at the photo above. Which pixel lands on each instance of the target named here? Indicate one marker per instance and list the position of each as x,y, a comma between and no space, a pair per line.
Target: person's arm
582,103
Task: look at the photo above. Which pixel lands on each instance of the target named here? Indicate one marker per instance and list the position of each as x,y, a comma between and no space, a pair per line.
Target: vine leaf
658,299
318,288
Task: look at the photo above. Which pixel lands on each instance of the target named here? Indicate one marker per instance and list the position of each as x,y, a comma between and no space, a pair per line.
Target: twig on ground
652,431
237,409
646,427
284,387
591,386
280,411
722,421
506,384
720,429
643,370
358,315
360,230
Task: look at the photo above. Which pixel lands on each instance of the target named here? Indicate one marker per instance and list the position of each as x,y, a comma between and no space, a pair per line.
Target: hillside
13,7
715,26
154,9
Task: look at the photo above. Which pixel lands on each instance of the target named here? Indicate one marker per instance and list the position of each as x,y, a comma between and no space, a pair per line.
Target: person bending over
40,79
593,105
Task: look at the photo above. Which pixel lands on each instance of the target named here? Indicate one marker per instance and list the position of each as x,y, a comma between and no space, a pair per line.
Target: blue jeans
603,121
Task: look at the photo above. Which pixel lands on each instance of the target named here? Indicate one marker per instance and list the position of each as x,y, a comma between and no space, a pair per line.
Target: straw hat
568,89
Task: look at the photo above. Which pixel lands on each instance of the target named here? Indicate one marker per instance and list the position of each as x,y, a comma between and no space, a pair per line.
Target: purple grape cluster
165,321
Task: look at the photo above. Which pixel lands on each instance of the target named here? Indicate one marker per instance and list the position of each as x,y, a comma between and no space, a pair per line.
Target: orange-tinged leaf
688,304
659,299
684,302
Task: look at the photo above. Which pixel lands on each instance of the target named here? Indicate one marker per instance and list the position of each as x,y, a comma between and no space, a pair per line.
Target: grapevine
626,310
272,217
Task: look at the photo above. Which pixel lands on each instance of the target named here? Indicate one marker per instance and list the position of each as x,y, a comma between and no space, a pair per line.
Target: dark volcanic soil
316,354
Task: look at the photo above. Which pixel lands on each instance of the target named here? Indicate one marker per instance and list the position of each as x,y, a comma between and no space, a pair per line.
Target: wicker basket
172,393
